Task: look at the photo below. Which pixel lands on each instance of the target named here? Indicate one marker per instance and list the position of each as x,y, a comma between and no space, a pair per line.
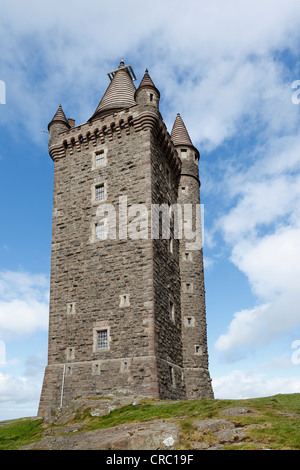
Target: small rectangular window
71,308
99,192
183,153
102,339
100,231
188,287
100,158
187,256
70,354
183,189
189,322
124,300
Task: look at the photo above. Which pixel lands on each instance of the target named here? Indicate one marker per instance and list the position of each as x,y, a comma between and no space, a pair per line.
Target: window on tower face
183,153
124,300
172,311
151,96
102,339
99,192
100,231
171,375
100,158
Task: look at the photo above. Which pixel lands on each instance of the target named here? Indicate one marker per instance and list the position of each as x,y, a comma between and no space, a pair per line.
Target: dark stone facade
130,287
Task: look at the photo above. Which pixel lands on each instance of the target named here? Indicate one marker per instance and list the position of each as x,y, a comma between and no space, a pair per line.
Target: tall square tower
127,297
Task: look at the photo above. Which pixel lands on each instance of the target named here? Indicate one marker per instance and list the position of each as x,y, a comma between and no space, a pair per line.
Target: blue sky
228,67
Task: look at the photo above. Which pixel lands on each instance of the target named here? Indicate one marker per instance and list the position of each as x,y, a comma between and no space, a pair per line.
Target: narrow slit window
172,310
124,300
168,175
188,287
171,375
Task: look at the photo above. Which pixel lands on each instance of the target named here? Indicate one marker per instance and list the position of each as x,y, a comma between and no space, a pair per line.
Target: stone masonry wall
167,281
131,286
194,334
89,277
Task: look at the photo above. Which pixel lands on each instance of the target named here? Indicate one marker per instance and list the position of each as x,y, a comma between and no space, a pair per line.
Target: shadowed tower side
193,310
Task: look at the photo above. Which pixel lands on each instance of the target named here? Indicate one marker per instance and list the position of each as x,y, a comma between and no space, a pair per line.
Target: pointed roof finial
59,116
179,134
147,82
120,92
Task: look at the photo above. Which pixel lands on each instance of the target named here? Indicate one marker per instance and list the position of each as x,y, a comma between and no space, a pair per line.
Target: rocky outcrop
143,436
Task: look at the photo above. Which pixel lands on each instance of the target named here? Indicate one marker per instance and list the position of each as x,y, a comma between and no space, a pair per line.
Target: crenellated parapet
64,138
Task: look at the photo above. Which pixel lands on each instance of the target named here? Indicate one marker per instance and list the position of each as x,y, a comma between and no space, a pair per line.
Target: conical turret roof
120,92
179,134
59,116
147,82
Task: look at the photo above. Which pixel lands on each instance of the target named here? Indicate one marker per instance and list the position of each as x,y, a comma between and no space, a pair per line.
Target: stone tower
127,298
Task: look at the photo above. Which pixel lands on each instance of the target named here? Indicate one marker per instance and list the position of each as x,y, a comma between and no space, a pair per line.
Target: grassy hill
261,423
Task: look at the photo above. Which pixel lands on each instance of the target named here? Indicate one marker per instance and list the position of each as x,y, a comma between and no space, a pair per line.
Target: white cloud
23,303
212,64
263,230
19,396
246,384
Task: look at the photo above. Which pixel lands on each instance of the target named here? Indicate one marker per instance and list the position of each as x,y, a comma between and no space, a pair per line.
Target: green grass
19,433
279,431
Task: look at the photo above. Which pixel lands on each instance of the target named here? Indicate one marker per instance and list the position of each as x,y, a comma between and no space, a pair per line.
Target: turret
195,356
188,154
147,94
58,125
